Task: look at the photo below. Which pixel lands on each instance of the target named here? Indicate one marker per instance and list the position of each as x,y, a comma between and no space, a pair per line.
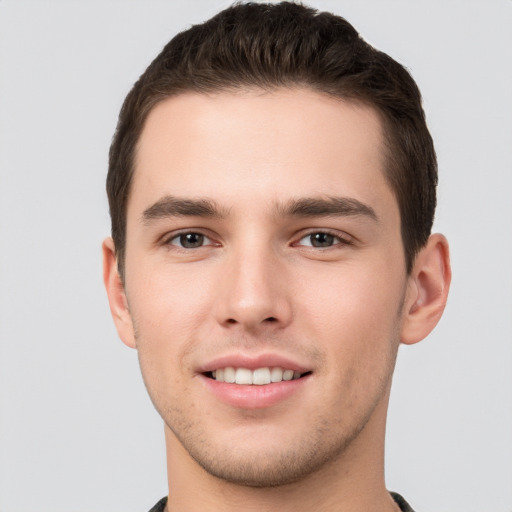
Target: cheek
169,303
163,329
356,319
358,325
355,300
166,311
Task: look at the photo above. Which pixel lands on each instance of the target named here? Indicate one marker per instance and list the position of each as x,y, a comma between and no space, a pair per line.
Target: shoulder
160,506
400,501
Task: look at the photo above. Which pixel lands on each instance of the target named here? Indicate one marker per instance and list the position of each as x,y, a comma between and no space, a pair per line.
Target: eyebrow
170,206
330,206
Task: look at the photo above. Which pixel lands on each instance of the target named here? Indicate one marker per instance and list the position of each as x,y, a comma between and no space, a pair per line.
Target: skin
258,285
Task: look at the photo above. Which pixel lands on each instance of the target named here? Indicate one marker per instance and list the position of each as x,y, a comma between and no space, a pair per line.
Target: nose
253,292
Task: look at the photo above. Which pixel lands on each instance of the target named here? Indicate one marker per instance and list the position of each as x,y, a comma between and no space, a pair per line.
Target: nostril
233,321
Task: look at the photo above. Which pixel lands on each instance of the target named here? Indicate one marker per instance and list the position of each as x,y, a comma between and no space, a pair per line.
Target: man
272,191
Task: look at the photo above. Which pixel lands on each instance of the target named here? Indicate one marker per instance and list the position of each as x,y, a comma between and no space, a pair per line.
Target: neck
352,481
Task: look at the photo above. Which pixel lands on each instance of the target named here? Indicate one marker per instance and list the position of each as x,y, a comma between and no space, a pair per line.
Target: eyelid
176,240
342,238
168,238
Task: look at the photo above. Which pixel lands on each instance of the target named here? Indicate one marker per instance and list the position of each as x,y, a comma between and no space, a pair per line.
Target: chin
260,464
275,471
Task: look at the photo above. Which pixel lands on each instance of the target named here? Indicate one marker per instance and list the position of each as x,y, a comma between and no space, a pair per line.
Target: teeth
243,376
288,374
276,374
261,376
258,377
229,374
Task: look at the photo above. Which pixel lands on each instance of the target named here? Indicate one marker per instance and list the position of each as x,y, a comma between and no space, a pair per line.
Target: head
272,188
286,45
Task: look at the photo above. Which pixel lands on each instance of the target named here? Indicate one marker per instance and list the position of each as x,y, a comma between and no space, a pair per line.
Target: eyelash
337,240
168,241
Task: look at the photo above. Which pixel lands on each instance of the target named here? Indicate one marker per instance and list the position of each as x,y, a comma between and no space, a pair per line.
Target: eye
190,240
322,240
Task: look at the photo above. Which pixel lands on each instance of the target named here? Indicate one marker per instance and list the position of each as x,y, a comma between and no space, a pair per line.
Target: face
264,246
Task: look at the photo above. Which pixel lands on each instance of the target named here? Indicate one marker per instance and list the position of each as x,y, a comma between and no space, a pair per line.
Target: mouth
255,382
257,377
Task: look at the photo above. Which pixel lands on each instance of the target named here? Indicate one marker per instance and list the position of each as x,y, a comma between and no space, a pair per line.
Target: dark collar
404,506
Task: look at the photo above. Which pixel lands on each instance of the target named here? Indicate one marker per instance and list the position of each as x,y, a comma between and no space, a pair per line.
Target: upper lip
253,362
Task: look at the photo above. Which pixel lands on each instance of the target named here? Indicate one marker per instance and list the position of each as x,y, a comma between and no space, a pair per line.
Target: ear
116,294
427,290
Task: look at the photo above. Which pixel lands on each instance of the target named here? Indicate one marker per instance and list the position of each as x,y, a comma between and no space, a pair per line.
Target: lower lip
254,397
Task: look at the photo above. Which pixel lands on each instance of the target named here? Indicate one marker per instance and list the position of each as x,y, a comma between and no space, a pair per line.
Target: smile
257,377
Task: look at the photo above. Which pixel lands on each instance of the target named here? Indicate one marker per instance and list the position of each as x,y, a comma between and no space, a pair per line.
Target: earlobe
427,290
116,294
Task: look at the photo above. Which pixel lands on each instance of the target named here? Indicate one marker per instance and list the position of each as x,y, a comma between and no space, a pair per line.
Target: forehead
274,144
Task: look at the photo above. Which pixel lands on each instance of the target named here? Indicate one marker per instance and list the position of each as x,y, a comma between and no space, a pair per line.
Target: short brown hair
287,45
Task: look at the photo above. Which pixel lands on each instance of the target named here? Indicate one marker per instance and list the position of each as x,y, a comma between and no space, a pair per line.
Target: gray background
77,431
